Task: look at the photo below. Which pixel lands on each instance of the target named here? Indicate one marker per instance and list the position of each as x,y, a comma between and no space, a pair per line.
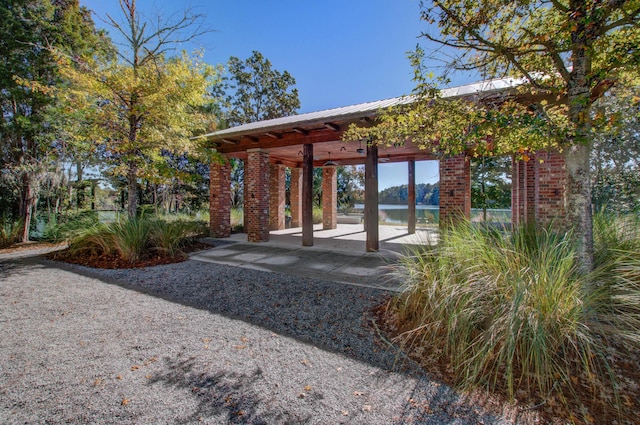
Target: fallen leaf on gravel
151,360
135,367
124,402
97,382
244,339
305,362
366,408
118,377
308,388
345,413
301,395
206,340
357,393
239,347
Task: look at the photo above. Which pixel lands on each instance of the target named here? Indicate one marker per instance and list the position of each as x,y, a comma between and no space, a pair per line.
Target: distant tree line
426,194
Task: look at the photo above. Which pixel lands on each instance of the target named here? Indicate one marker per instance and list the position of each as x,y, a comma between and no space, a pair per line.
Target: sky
341,52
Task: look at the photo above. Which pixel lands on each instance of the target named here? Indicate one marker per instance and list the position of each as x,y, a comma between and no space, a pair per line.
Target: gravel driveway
202,343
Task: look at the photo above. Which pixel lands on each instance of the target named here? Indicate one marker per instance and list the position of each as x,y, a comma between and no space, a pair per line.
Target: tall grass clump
132,239
171,237
511,311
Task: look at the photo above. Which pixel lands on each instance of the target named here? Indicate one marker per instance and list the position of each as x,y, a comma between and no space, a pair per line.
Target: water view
430,214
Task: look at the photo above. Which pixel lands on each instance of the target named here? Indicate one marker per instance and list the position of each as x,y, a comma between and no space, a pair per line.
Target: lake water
431,213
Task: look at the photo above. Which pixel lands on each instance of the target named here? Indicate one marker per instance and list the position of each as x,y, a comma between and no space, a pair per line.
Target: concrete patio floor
337,255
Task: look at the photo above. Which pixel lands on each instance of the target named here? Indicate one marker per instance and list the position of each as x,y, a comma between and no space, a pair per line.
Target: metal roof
358,111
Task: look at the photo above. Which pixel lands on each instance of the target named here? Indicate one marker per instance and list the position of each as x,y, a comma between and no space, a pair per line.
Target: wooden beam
274,135
332,126
307,195
371,199
301,131
411,198
252,139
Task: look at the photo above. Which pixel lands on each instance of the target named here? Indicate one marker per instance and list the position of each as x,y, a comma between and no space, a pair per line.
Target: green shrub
170,237
317,215
512,311
130,239
66,227
95,240
10,231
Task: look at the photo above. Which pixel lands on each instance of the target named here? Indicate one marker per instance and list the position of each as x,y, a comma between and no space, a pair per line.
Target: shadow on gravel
328,315
12,267
225,395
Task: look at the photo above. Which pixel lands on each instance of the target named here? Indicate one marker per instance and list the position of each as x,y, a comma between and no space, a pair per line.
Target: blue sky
341,52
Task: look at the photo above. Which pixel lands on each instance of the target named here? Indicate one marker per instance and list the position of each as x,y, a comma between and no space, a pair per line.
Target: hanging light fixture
360,150
330,163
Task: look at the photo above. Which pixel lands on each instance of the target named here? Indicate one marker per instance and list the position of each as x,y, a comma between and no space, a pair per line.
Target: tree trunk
132,188
577,154
578,202
26,206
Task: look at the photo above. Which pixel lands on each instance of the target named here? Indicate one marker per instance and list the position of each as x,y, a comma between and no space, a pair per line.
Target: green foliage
237,220
615,159
145,104
170,237
254,91
68,226
133,238
426,193
490,183
10,231
513,312
317,215
29,32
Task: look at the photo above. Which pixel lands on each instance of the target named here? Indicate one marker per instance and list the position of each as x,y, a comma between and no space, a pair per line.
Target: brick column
550,182
295,196
220,199
256,198
455,189
277,195
329,198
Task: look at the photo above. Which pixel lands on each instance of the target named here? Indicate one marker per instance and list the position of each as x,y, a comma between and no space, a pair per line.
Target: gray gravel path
202,343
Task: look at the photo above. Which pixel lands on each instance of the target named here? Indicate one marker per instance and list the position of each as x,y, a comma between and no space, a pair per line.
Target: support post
371,199
296,197
277,195
257,196
220,199
329,198
411,198
307,195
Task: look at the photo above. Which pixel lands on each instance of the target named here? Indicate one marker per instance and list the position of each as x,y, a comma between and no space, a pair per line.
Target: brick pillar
550,182
329,198
276,196
220,199
256,198
455,189
295,197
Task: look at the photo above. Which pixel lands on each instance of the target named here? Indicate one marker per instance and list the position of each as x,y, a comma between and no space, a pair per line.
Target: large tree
148,102
254,91
571,51
29,30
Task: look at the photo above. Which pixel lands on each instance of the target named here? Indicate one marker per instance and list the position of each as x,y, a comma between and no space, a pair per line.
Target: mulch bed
115,262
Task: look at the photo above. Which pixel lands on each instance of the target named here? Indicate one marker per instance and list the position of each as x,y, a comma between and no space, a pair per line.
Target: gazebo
306,141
